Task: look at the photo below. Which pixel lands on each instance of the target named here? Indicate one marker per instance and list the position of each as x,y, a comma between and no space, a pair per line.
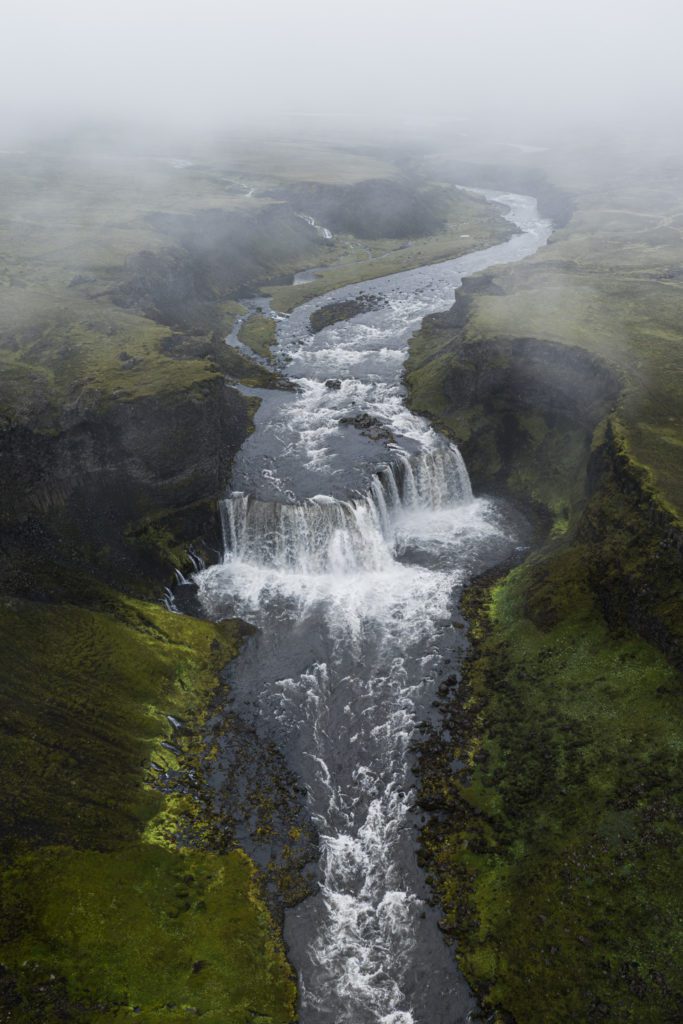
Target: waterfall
327,535
347,552
323,232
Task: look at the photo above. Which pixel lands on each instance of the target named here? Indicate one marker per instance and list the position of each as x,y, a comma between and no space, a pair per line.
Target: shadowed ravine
349,549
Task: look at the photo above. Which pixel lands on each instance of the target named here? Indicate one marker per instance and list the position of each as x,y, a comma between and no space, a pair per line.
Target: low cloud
213,66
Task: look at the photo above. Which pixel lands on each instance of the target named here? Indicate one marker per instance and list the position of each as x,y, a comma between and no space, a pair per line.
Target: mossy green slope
555,849
86,695
119,894
556,860
142,933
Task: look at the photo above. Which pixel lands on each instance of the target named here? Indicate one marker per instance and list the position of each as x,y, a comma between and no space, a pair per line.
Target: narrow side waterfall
348,552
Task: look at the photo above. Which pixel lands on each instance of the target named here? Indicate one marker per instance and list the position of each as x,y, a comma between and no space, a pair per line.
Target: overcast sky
210,63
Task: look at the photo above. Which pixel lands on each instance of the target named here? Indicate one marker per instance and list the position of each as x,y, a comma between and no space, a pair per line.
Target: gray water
349,552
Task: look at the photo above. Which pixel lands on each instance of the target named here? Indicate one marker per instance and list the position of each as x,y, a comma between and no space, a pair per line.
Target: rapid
349,533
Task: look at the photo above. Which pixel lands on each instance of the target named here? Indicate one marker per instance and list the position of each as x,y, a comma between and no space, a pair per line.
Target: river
348,544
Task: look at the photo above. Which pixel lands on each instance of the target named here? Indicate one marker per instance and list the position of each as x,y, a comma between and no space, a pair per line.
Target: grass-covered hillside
120,900
556,848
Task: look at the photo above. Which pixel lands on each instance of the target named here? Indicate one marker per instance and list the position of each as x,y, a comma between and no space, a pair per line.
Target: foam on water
354,593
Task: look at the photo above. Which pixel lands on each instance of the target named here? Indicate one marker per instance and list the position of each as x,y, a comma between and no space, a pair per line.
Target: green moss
134,907
162,540
627,315
85,696
246,371
259,333
123,895
559,875
65,344
555,852
80,356
143,933
155,536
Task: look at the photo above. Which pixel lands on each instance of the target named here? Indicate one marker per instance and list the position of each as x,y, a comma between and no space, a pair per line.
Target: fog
529,66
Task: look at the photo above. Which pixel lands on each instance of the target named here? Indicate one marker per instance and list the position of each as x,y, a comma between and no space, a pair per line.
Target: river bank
552,849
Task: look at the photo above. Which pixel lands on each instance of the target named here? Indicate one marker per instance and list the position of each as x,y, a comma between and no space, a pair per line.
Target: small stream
349,533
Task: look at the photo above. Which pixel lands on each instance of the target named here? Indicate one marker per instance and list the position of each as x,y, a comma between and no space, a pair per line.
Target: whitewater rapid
350,529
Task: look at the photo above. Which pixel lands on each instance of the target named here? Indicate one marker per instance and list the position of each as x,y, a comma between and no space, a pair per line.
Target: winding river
349,533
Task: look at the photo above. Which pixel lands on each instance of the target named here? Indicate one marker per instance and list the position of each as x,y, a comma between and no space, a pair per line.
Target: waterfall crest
328,535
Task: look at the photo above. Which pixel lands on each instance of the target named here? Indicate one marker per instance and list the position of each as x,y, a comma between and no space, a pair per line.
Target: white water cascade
323,232
328,535
348,552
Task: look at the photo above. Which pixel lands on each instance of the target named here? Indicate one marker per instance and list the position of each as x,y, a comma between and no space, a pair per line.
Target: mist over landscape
531,67
341,519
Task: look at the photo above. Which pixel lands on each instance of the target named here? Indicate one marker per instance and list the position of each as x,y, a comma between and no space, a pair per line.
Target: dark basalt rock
377,208
212,255
336,311
363,420
368,425
114,474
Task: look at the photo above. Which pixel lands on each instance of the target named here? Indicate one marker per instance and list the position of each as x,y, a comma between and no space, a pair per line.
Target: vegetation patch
554,849
124,893
140,933
259,333
116,880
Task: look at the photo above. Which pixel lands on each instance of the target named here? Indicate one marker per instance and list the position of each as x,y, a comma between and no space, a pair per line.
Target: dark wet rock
376,208
334,312
363,421
210,257
333,384
117,477
368,425
260,803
